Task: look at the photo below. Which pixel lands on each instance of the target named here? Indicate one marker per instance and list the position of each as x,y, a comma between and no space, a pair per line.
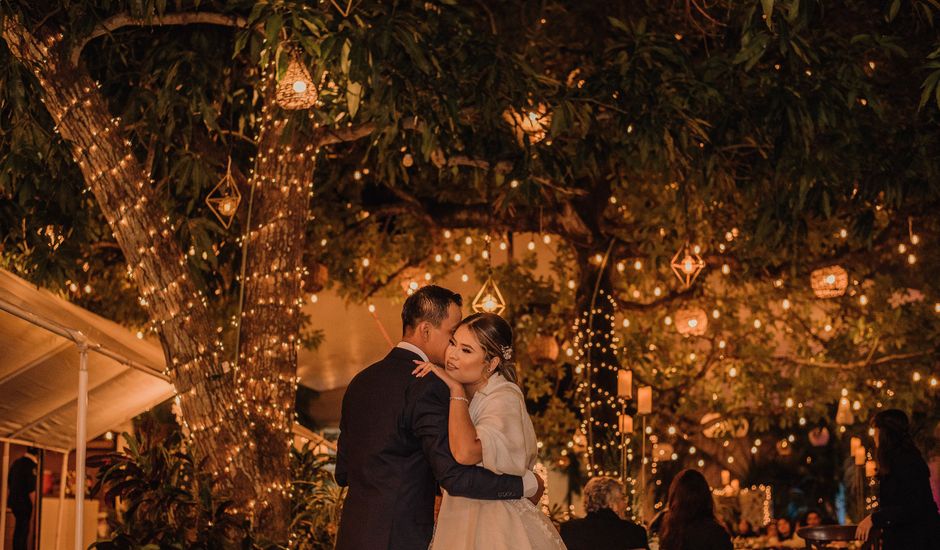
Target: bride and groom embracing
463,428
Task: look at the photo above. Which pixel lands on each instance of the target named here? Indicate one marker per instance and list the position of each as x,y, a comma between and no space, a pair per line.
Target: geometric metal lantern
829,282
691,321
224,198
687,265
489,299
295,90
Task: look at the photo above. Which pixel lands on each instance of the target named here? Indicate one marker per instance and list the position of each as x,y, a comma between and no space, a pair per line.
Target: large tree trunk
271,319
239,425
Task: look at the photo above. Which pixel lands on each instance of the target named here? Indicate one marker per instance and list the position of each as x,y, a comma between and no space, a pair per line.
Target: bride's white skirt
468,524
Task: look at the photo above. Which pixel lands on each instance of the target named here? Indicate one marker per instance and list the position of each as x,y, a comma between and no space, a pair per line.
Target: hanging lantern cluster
691,321
829,282
687,265
543,347
296,90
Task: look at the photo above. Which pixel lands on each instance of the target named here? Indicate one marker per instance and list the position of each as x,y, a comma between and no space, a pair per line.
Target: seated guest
604,502
784,529
812,519
744,529
690,523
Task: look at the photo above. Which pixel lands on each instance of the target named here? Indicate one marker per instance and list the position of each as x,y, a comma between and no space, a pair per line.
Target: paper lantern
533,122
295,90
819,436
860,456
625,423
854,444
644,400
691,321
844,414
870,469
543,347
687,265
625,384
829,282
489,299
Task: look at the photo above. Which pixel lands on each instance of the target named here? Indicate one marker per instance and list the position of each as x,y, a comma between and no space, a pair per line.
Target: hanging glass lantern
295,90
687,265
829,282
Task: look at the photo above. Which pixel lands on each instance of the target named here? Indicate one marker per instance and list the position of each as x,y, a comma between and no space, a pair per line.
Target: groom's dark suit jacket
393,451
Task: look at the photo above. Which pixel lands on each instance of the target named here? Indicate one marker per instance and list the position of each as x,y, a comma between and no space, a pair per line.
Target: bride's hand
424,367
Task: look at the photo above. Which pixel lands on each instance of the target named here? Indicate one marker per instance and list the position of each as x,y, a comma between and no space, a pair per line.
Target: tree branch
868,362
121,20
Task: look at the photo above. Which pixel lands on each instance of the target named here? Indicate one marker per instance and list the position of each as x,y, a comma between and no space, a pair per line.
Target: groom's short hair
429,303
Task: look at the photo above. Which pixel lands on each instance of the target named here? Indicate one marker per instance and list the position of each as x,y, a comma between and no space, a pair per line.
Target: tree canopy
780,137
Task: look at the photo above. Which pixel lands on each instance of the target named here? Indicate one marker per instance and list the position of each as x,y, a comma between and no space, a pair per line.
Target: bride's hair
495,335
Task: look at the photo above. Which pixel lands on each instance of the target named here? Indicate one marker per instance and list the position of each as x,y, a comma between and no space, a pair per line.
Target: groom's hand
538,493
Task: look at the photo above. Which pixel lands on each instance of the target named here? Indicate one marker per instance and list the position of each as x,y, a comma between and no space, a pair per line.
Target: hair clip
507,352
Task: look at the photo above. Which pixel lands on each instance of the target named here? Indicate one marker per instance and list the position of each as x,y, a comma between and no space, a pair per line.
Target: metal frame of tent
83,347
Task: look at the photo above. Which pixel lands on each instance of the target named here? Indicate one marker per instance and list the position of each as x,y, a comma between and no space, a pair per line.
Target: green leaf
893,9
768,6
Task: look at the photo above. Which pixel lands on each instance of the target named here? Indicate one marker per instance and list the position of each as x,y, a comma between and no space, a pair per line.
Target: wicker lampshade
296,90
533,122
829,282
691,321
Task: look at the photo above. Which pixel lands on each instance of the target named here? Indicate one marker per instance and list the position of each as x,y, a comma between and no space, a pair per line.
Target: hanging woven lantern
489,299
533,122
687,265
691,321
543,348
829,282
295,90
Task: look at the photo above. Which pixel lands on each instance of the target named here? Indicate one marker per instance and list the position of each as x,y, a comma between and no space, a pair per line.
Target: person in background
784,529
603,526
812,519
906,514
690,523
22,483
744,529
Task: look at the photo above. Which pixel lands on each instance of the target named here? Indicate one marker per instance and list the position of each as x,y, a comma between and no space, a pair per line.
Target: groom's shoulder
429,386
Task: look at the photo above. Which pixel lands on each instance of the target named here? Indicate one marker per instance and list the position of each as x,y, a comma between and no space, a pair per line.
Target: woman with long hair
488,425
690,523
906,514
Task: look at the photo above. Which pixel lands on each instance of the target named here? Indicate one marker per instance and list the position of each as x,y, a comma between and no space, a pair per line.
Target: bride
488,425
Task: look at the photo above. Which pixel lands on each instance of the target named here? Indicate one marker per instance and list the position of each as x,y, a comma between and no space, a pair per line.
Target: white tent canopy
38,369
66,373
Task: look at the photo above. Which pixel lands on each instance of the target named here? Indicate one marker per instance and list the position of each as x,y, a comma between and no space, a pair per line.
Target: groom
393,450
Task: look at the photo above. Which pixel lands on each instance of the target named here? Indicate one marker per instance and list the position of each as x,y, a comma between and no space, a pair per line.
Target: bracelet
459,398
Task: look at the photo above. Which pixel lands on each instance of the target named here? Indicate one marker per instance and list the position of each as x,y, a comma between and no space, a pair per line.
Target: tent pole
60,515
80,437
3,494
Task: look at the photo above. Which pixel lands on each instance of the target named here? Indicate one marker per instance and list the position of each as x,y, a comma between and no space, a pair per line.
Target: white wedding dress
509,447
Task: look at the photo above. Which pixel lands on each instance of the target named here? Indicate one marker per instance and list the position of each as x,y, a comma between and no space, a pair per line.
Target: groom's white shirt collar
411,347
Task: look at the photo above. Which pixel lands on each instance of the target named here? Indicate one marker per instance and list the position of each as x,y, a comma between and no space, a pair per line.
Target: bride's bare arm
461,434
